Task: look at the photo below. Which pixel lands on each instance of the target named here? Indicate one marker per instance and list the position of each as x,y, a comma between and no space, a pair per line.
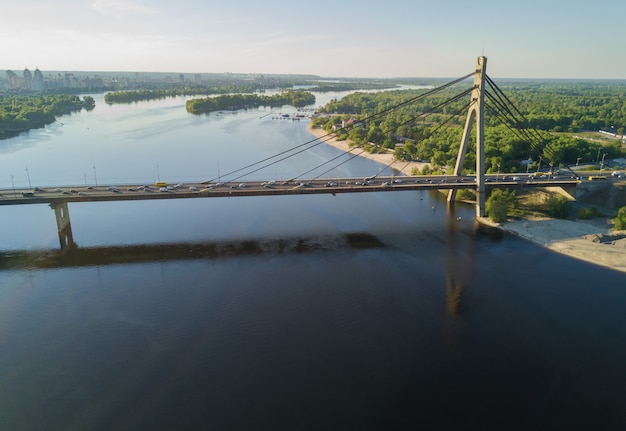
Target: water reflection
137,253
459,256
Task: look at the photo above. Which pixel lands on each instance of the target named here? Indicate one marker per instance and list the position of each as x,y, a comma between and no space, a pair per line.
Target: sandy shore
386,158
592,241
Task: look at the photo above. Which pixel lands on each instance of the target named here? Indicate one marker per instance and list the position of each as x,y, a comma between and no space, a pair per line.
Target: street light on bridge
28,176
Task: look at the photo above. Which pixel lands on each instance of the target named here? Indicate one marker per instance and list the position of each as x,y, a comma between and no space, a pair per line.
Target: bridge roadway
51,195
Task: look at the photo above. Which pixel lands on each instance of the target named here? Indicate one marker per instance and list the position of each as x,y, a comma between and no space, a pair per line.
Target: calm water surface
370,311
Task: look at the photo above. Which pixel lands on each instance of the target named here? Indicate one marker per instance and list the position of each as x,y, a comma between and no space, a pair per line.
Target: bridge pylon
475,114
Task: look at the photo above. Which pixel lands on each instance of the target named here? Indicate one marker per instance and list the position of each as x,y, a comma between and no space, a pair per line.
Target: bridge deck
263,188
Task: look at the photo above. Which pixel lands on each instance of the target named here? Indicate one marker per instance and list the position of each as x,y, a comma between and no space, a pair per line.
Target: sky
572,39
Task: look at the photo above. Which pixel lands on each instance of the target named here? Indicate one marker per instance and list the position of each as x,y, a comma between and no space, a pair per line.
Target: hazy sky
417,38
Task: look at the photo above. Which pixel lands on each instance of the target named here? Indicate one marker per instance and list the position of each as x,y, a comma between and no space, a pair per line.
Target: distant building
38,84
13,80
28,80
352,122
612,131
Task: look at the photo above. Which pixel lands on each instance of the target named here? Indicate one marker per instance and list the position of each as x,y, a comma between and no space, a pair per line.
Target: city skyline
418,39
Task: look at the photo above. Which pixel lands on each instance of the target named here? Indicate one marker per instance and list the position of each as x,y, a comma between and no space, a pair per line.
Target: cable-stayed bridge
484,95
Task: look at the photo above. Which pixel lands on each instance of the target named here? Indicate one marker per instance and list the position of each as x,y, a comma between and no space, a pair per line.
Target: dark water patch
79,256
363,240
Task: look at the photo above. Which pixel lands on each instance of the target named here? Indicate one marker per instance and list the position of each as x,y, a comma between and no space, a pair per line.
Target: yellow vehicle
597,178
160,184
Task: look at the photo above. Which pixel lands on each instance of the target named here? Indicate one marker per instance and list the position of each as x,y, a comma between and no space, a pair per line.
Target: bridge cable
508,118
332,134
539,139
512,124
420,116
451,118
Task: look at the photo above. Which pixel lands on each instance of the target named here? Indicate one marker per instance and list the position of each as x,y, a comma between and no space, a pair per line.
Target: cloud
120,8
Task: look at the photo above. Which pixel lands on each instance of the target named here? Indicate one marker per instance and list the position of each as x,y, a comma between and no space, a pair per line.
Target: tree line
131,96
557,111
21,113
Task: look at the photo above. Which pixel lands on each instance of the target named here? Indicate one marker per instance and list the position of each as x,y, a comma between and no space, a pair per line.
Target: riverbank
589,240
593,240
384,158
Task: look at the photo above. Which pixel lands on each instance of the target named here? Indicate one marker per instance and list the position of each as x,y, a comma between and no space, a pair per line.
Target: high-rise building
38,84
13,80
28,79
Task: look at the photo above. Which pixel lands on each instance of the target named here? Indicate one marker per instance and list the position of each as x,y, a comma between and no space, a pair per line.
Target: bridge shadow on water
114,255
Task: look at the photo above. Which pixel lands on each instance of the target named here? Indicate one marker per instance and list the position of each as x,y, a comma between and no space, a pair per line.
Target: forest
130,96
21,113
558,112
295,98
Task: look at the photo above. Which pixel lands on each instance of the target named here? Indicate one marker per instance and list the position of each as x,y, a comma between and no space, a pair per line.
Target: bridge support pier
64,227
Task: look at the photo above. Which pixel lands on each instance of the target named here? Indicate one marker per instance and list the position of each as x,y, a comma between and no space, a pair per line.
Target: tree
620,220
558,206
89,103
497,206
357,135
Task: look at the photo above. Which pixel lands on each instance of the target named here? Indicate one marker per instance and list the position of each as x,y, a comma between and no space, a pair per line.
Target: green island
296,98
138,95
131,96
22,113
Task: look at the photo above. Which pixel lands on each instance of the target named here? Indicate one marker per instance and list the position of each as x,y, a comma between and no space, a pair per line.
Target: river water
371,311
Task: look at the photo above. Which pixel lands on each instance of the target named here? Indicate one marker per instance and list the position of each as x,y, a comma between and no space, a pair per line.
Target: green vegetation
620,219
558,206
558,110
131,96
588,213
498,204
21,113
242,101
161,93
465,195
351,86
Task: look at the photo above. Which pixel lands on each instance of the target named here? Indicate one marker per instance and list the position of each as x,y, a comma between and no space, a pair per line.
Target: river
372,311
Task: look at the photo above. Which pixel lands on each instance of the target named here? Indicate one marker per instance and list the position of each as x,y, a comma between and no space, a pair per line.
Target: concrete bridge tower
475,114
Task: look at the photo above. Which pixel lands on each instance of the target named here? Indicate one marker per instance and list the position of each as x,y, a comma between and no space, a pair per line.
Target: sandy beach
589,240
386,158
